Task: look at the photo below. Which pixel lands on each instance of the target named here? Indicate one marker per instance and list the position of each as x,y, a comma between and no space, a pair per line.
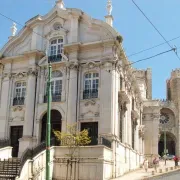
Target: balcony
18,101
55,98
55,58
89,94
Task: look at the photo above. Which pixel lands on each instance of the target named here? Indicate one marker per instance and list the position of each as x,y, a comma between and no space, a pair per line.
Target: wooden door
92,128
16,134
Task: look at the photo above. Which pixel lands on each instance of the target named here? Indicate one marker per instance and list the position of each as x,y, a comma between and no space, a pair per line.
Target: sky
137,32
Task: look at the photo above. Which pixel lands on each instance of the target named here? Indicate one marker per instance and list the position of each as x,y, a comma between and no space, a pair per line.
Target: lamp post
48,124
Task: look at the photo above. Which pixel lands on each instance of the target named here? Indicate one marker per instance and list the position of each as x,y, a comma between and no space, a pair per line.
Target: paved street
141,174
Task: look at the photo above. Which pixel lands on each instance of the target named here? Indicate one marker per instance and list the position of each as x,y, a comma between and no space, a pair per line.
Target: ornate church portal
167,123
170,144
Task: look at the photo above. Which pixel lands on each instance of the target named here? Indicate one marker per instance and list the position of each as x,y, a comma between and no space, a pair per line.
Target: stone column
26,140
72,94
42,85
4,108
106,122
151,122
155,131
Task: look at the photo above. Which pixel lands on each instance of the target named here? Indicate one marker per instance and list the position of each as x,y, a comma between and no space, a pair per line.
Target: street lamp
48,123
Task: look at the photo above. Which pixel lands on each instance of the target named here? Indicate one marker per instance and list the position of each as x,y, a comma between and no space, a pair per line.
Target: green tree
73,139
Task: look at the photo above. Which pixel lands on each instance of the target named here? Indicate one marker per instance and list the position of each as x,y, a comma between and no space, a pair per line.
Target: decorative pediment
90,102
17,118
17,108
44,62
57,33
90,114
19,75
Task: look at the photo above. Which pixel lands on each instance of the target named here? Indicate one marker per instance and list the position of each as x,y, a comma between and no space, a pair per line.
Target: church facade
93,85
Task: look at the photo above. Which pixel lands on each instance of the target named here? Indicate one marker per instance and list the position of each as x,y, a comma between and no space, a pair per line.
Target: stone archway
56,123
170,144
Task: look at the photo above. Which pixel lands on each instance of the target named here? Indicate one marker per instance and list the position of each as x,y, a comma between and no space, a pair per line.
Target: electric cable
155,28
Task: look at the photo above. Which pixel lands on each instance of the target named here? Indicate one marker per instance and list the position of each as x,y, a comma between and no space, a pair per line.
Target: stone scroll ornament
164,118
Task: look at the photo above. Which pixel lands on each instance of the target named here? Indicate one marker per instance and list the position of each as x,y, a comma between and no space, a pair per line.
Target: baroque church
93,85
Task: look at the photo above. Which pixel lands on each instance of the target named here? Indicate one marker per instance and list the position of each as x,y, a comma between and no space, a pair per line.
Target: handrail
4,143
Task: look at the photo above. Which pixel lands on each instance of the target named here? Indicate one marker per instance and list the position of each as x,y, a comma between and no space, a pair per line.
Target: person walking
145,164
155,163
176,159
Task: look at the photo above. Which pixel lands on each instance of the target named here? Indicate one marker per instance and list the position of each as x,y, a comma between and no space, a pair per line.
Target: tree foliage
73,138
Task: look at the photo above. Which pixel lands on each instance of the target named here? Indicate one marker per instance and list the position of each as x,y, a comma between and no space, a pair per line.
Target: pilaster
42,85
5,102
26,140
72,93
151,122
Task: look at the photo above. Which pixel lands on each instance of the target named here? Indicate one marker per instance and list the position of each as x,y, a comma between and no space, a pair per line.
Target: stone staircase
9,169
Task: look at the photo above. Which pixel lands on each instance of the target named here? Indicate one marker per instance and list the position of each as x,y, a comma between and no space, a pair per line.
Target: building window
56,87
91,84
56,49
20,92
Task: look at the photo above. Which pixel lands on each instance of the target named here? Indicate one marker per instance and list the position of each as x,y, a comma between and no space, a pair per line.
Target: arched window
20,92
56,48
91,84
56,86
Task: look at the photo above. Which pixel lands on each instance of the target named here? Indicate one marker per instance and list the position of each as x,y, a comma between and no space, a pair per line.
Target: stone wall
6,153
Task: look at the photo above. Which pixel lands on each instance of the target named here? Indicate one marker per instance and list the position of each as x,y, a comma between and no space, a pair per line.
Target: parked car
169,157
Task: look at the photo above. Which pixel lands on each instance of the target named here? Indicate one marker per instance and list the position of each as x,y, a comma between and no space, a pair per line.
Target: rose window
164,118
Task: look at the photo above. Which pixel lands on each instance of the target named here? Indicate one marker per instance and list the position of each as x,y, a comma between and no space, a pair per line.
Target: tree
73,139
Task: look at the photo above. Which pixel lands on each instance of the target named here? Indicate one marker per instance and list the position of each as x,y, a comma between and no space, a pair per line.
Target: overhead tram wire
133,54
156,29
172,49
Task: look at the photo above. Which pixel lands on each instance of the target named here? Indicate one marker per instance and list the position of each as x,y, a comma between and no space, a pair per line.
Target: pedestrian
176,159
155,163
145,164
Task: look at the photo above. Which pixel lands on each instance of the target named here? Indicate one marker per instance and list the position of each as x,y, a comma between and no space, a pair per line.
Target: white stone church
93,85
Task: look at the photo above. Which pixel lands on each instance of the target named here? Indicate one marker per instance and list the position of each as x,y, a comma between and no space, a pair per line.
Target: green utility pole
48,125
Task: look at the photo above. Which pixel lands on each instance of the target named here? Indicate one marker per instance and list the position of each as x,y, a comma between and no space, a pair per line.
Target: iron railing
105,142
31,153
55,58
4,143
92,93
18,101
55,98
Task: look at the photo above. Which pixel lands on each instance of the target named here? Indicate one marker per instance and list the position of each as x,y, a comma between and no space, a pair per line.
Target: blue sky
138,34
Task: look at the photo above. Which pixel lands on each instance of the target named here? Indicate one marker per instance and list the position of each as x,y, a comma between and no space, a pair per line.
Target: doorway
170,144
92,128
55,124
16,134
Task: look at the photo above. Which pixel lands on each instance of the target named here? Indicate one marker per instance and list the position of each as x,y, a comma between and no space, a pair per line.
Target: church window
56,49
20,92
56,86
91,84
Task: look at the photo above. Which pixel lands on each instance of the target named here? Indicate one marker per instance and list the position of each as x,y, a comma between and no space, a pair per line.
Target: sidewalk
141,174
